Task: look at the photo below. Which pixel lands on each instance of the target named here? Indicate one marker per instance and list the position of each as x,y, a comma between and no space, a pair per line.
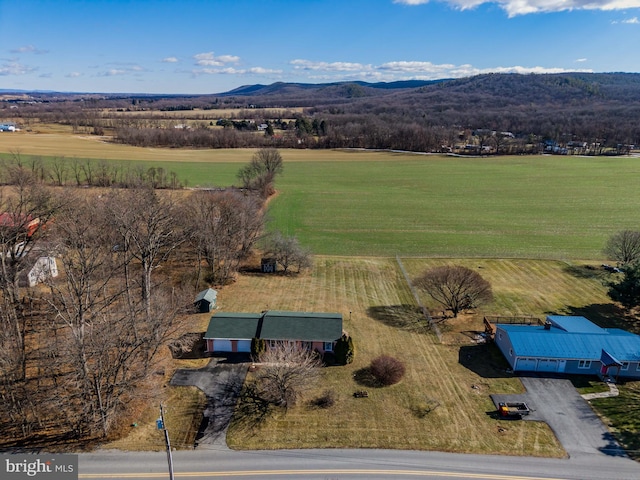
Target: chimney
547,325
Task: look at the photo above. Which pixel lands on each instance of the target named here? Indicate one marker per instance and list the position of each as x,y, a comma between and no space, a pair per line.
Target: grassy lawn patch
622,414
443,401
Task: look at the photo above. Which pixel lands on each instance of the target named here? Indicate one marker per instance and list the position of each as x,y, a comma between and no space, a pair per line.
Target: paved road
221,381
352,464
556,402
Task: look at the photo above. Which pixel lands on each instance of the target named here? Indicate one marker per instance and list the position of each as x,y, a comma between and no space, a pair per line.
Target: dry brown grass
440,404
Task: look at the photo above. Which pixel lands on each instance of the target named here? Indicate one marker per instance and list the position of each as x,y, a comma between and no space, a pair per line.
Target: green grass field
380,203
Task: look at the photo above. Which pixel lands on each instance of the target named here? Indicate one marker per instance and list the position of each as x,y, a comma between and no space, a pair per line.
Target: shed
206,300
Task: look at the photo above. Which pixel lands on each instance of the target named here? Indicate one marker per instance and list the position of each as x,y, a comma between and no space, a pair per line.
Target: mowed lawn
443,401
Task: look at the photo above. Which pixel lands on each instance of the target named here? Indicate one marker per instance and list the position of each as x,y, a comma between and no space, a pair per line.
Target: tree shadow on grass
486,360
588,272
404,317
252,409
365,378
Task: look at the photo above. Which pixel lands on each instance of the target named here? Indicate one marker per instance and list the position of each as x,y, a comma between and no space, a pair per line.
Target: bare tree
288,252
455,287
108,341
25,209
261,172
147,230
286,372
224,227
623,247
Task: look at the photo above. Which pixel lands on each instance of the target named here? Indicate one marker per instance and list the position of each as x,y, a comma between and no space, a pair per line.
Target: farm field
385,204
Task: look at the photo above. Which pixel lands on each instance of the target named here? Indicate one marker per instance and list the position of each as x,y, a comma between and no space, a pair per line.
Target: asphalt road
352,464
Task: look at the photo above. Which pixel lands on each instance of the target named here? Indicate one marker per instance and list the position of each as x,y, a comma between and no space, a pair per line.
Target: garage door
222,345
244,346
526,364
547,365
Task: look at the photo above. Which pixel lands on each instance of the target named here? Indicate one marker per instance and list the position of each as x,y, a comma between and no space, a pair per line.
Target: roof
574,324
276,325
209,295
233,325
555,342
305,326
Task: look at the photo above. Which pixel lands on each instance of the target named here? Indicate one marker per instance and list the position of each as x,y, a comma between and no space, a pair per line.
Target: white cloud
581,60
406,70
236,71
523,7
29,49
170,60
300,64
633,21
15,68
113,72
73,75
208,59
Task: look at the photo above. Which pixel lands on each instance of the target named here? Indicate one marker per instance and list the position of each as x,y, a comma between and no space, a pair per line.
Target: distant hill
356,88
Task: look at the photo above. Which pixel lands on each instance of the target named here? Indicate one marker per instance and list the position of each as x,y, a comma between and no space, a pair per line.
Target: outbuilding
206,300
570,344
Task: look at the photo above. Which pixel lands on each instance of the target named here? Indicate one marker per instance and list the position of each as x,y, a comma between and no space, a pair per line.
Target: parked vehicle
513,409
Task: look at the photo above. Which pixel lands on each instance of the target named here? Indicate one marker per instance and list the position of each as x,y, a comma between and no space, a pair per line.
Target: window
272,343
584,364
625,366
638,367
511,352
499,335
328,346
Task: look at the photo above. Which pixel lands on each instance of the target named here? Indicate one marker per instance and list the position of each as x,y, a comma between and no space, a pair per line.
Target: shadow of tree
403,317
252,409
588,272
365,378
485,360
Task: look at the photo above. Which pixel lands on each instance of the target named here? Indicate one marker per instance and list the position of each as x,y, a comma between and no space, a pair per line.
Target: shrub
344,350
387,370
258,347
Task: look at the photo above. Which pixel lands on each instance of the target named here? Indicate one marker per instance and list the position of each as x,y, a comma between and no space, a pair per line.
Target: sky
213,46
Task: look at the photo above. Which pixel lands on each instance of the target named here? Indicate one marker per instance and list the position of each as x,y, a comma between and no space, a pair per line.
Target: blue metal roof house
572,345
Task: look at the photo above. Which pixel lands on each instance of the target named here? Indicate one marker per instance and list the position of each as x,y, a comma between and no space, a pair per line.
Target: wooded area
81,349
569,113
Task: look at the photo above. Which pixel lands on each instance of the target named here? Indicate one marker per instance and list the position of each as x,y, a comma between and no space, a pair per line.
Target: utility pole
163,426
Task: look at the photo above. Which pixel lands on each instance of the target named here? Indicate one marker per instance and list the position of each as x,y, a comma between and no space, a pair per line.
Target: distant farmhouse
232,332
570,344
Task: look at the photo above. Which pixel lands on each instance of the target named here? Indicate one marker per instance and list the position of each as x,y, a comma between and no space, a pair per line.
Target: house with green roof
572,345
232,332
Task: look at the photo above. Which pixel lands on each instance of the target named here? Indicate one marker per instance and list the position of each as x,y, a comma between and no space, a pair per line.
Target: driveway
577,427
221,381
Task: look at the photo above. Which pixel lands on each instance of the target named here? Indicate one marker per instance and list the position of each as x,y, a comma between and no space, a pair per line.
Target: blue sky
212,46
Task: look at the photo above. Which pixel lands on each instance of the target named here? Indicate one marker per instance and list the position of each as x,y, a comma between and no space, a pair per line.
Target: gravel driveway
577,427
221,381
